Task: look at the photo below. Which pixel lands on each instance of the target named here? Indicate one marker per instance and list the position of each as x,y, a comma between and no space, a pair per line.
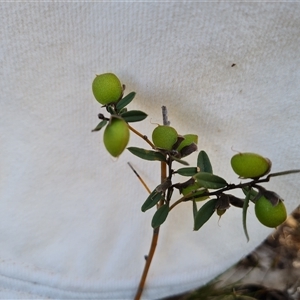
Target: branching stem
163,170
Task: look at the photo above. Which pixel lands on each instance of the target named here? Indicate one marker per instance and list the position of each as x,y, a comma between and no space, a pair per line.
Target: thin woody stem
235,186
144,137
163,169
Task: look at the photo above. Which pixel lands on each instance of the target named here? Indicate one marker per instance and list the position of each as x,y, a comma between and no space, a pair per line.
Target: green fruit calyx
107,88
116,136
250,165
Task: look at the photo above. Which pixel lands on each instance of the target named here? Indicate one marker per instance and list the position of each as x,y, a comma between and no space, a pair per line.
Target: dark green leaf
160,216
180,161
210,181
134,116
147,154
187,171
100,125
204,213
123,110
125,101
110,109
245,208
253,193
203,162
195,209
152,200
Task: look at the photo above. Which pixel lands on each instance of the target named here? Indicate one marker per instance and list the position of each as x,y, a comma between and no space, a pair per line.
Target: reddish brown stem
153,244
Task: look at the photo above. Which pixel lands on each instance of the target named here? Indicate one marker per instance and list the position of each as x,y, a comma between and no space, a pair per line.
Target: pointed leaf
180,161
195,209
100,125
134,116
253,194
245,208
110,109
160,216
204,213
125,101
210,181
147,154
203,162
187,171
152,200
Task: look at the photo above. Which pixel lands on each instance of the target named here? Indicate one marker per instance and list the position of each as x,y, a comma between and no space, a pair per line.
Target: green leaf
253,193
245,208
110,109
100,125
152,200
187,171
160,216
180,161
147,154
204,213
203,162
195,209
125,101
134,116
210,181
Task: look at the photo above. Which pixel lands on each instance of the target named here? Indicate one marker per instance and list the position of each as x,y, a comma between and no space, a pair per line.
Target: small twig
165,115
140,178
229,187
144,137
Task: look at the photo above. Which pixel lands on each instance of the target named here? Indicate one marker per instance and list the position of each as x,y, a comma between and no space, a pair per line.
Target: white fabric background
70,219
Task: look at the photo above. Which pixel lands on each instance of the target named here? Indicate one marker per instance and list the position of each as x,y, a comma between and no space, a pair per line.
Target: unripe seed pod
188,139
116,136
107,88
250,165
164,137
269,215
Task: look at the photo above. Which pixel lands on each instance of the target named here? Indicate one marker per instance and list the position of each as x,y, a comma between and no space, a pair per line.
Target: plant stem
163,176
144,137
147,264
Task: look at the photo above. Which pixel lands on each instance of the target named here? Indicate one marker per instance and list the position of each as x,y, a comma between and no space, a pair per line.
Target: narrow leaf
203,162
111,110
245,208
195,209
134,116
180,161
187,171
210,181
100,125
253,193
125,101
204,213
152,200
160,216
147,154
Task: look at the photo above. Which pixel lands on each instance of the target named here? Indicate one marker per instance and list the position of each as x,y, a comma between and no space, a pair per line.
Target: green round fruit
164,137
116,136
250,165
191,188
269,215
188,140
107,88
